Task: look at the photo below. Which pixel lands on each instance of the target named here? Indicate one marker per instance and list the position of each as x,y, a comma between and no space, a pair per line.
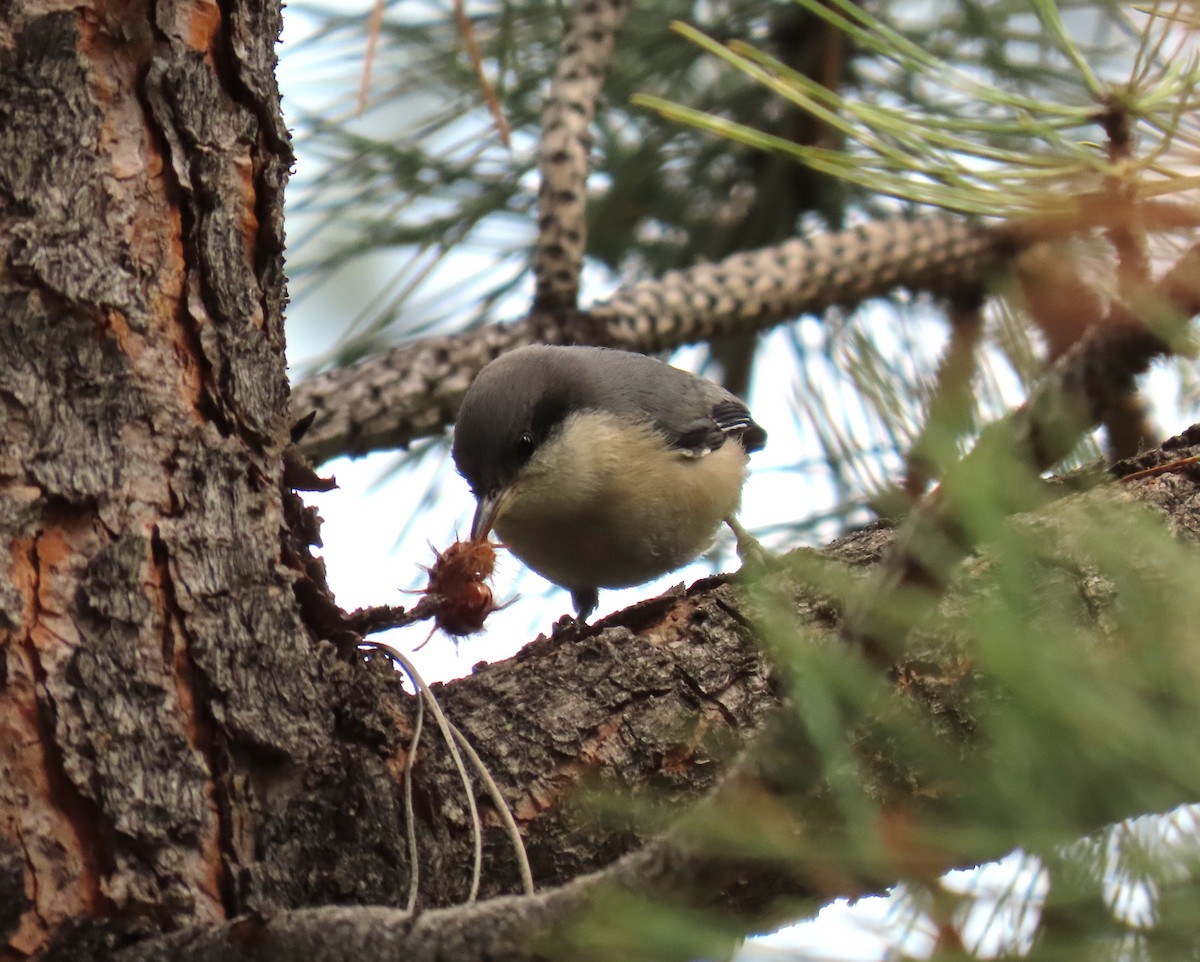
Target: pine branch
413,391
754,290
565,148
1079,391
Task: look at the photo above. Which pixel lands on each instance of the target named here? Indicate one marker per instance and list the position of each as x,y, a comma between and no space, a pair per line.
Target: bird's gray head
514,404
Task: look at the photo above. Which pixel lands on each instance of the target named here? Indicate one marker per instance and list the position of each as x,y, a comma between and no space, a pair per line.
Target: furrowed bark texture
151,653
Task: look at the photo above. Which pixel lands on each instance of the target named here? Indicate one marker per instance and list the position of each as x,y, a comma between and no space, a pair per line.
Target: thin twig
368,621
410,825
373,32
1170,466
506,816
444,726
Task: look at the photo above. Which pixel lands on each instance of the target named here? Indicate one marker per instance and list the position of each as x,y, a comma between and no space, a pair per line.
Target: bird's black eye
525,446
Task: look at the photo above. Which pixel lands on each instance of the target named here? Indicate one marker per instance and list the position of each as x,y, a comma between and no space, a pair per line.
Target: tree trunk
143,381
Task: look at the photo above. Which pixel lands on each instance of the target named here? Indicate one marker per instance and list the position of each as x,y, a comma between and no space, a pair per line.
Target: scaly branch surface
753,290
413,391
565,146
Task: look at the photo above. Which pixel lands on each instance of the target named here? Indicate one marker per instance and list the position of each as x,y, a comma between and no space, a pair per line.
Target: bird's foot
585,601
749,548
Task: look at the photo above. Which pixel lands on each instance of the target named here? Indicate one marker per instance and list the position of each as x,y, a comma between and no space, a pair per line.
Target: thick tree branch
547,925
779,776
413,391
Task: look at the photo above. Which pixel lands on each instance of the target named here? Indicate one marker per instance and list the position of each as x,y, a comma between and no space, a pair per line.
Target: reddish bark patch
39,809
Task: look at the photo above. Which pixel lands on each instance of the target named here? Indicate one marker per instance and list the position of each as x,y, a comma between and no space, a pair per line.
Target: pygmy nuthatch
601,468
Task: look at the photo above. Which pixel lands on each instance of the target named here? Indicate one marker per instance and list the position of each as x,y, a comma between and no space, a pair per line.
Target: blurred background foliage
411,217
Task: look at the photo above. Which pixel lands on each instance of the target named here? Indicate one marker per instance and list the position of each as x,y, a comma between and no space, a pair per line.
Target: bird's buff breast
625,512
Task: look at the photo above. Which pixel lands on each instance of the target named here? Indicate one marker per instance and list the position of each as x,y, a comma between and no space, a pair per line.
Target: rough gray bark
151,650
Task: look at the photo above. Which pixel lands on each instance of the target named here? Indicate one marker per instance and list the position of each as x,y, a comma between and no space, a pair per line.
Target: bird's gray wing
718,415
693,413
733,417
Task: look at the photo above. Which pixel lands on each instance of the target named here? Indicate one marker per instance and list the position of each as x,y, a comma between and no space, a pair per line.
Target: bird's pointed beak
487,509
